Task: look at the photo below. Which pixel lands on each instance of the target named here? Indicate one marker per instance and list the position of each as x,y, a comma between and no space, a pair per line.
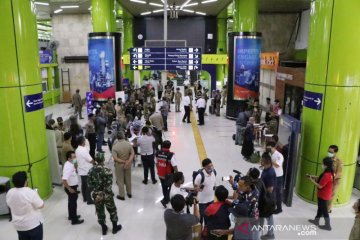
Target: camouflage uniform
100,180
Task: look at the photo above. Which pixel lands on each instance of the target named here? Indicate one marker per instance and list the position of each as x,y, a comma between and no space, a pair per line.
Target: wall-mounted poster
102,67
247,51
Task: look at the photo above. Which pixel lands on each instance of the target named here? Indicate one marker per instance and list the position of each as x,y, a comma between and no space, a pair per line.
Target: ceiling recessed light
145,13
158,10
188,10
156,4
182,6
191,4
200,13
42,3
138,1
208,1
58,10
70,6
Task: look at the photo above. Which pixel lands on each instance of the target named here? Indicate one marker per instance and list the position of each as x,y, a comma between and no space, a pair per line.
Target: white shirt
279,159
146,144
84,160
186,101
24,204
69,174
176,190
200,103
207,194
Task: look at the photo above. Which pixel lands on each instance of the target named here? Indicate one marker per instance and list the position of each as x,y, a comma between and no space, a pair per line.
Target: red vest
164,163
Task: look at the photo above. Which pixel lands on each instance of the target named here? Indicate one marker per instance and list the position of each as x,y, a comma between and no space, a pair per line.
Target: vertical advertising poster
89,102
102,67
247,51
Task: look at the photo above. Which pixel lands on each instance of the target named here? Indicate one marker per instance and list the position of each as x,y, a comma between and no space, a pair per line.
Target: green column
23,145
221,43
332,70
103,15
245,15
128,41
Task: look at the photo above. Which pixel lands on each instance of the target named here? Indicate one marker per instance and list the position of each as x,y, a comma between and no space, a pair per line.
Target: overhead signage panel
181,58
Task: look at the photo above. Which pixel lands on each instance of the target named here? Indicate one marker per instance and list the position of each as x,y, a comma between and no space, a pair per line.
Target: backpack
200,171
267,202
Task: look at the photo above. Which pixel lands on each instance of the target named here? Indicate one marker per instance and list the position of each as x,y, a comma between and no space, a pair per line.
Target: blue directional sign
312,100
33,102
181,58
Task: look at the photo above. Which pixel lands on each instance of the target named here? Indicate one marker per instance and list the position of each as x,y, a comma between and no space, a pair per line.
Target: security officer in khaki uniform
77,103
100,180
178,97
123,154
337,166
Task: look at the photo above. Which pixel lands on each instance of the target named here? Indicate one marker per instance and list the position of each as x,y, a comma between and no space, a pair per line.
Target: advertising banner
247,52
270,60
46,56
102,67
89,102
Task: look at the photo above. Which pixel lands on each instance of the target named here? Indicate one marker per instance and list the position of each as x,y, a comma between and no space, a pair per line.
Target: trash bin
4,187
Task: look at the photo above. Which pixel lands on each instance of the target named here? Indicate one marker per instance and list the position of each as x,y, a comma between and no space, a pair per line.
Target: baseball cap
240,210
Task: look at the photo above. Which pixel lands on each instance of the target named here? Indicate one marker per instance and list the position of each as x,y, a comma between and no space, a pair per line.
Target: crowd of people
135,127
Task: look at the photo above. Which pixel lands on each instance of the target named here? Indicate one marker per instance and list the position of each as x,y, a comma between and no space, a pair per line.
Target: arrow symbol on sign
134,67
135,50
134,55
134,61
196,56
196,50
195,67
318,101
196,61
28,103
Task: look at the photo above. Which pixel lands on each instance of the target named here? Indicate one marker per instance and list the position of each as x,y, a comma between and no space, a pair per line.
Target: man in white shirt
205,181
187,103
146,144
70,181
177,185
201,104
85,163
25,205
277,161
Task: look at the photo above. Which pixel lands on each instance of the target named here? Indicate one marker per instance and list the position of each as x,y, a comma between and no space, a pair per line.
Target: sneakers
267,236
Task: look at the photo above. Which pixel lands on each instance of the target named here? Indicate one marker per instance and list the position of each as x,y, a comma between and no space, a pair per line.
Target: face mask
324,167
74,161
209,170
330,154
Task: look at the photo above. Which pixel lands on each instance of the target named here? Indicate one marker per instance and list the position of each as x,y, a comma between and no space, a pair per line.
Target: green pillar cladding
128,41
221,43
23,146
103,15
332,70
245,15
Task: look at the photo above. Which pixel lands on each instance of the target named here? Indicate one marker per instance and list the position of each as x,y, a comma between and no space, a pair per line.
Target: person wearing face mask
277,162
70,181
337,167
324,184
355,231
205,181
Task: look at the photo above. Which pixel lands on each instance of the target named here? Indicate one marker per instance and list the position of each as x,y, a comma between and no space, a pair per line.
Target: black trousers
165,122
92,142
202,207
72,203
279,192
166,191
149,164
187,114
322,209
85,190
201,112
33,234
159,95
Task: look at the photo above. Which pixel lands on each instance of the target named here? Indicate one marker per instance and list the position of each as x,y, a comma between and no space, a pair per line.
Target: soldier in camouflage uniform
100,181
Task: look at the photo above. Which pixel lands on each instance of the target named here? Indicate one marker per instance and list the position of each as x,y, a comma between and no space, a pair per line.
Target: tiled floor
142,216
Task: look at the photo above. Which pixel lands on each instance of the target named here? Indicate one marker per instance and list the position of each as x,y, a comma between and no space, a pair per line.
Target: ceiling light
145,13
138,1
191,4
187,10
156,4
208,1
58,10
158,10
42,3
89,8
200,13
182,6
70,6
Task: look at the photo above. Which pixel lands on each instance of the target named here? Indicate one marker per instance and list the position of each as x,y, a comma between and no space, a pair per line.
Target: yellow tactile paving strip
198,140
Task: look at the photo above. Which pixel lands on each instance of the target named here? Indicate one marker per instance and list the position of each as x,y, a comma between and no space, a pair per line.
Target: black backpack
200,171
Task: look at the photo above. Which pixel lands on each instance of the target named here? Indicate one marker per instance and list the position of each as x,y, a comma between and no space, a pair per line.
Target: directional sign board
181,58
33,102
312,100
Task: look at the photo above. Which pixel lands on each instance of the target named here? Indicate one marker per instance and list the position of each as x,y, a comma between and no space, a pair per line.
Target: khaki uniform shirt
65,148
76,100
178,97
157,121
337,166
122,149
